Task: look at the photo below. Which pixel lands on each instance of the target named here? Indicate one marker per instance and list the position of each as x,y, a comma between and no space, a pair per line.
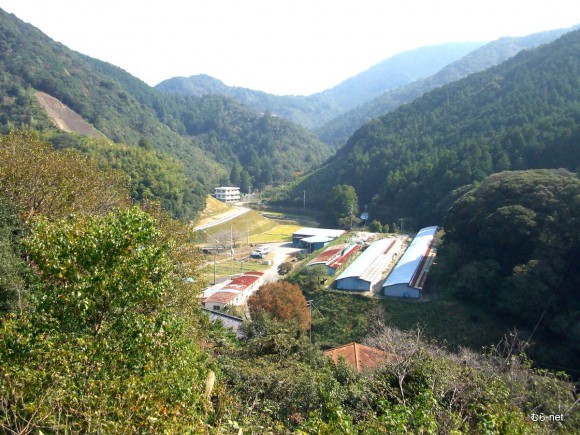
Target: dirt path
282,252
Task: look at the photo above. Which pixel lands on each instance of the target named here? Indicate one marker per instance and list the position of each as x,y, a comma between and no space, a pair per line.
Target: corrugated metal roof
238,283
308,232
362,357
328,254
231,322
411,259
317,239
346,254
222,297
362,263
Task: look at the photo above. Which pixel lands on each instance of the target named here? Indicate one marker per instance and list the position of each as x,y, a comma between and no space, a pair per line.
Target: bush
285,268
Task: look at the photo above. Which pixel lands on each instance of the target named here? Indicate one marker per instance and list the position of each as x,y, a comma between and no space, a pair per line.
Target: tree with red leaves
284,301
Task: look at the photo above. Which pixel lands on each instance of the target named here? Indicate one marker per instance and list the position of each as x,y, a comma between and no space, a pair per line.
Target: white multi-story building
227,194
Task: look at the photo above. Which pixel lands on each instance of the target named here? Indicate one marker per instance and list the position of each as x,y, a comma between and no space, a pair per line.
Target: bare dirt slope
65,118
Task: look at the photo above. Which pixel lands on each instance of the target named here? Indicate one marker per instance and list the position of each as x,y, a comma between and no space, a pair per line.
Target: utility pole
402,228
351,217
309,304
214,266
231,242
304,201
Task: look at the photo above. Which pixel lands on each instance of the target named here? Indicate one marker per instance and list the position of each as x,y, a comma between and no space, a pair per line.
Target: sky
281,47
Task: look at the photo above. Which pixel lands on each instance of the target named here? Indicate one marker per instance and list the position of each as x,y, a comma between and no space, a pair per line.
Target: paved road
224,217
282,252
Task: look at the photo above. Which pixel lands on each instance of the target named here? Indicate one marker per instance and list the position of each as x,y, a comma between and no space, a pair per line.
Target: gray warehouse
408,277
367,269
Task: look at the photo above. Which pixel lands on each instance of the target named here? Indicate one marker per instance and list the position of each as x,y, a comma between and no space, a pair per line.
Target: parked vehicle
260,252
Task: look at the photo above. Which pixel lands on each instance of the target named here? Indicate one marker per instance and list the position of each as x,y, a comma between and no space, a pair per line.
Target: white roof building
408,276
306,232
367,269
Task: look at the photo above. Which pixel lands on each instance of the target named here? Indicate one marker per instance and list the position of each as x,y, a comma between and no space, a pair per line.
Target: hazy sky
278,46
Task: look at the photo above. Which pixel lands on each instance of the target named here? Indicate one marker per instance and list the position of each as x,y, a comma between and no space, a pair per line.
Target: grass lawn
279,233
446,319
251,222
213,207
225,268
342,318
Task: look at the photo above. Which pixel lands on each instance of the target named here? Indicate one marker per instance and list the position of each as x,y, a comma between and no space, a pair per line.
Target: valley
446,177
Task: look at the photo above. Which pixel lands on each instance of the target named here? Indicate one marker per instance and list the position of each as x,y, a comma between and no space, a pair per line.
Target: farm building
315,243
305,233
367,269
334,257
234,291
362,358
408,277
232,322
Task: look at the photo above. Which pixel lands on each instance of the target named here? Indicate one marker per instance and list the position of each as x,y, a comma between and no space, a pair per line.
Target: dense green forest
338,130
522,114
151,175
207,134
313,110
513,243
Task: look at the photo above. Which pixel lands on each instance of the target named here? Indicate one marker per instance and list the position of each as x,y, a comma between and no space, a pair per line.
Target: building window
216,307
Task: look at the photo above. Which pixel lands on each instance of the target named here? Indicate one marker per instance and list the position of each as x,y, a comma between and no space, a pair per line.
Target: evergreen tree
342,206
235,174
245,182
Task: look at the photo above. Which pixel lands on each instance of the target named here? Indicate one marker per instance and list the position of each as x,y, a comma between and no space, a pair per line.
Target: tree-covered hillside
522,114
208,135
338,130
512,244
313,110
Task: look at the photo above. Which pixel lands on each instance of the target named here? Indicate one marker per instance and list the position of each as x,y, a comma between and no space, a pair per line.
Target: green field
279,233
248,224
225,268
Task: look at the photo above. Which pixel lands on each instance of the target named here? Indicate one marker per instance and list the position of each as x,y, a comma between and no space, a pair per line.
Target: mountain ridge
319,107
338,130
521,114
208,134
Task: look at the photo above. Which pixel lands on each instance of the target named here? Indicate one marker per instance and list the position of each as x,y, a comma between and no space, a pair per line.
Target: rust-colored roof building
362,357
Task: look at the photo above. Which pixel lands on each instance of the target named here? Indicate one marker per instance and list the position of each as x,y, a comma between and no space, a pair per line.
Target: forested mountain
313,110
207,134
512,243
338,130
522,114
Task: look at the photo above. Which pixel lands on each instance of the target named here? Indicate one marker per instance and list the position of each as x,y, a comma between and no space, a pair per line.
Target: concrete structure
227,194
334,257
408,277
233,291
304,233
368,268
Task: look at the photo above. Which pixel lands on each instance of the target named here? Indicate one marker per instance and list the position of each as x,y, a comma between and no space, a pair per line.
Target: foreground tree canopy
513,243
101,349
39,179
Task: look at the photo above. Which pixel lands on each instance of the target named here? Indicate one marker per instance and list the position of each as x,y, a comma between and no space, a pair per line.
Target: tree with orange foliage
284,301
